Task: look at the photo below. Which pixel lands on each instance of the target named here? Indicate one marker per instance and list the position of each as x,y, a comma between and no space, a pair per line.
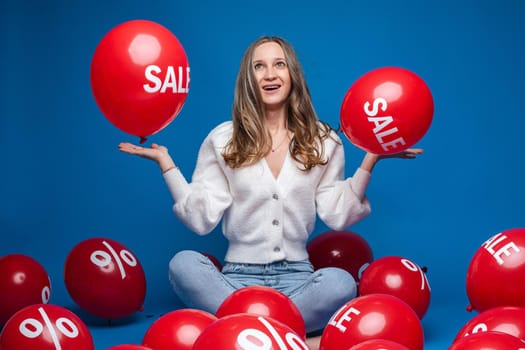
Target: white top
265,218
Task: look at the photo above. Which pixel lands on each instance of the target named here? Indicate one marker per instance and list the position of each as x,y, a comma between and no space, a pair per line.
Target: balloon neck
470,308
143,139
424,269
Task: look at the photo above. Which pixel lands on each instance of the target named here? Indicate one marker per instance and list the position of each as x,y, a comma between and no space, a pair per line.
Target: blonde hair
249,142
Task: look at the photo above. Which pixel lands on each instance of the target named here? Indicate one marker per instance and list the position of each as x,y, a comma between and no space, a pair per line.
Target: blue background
63,179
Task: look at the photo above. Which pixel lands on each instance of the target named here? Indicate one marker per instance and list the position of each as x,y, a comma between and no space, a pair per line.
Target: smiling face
272,75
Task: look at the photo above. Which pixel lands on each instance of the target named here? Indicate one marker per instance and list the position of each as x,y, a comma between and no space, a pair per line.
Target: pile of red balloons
387,110
105,278
24,282
140,77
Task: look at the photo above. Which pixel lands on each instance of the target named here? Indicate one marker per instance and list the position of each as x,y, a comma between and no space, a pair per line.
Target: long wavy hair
250,138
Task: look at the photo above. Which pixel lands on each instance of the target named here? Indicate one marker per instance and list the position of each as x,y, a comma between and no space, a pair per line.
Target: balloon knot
424,269
470,308
141,309
143,139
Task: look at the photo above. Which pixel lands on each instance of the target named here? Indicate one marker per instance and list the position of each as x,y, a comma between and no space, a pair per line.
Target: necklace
280,143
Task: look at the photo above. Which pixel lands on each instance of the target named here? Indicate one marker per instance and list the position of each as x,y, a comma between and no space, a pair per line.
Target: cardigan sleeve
342,202
200,204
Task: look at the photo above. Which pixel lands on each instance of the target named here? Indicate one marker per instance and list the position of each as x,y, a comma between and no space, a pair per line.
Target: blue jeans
318,294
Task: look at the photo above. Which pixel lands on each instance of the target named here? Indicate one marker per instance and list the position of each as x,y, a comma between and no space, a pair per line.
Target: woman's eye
258,66
281,64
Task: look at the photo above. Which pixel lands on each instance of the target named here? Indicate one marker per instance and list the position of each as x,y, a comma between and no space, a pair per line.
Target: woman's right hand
157,153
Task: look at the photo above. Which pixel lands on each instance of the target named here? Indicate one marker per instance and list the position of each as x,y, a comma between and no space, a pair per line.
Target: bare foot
313,342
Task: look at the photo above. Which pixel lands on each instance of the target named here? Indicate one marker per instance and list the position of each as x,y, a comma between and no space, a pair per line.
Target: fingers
130,148
411,153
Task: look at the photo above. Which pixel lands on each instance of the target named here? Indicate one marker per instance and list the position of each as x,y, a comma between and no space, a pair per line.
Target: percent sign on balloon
32,328
246,337
103,259
413,267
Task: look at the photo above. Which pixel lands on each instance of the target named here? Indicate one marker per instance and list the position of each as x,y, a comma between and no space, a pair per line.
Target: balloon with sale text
490,340
249,332
24,282
504,319
373,316
387,110
105,278
400,277
264,301
45,327
495,273
140,77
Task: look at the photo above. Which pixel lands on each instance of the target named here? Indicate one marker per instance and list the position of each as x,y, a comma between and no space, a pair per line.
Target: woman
267,174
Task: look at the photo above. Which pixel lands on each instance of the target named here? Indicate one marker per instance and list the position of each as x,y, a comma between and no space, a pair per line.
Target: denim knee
343,287
181,263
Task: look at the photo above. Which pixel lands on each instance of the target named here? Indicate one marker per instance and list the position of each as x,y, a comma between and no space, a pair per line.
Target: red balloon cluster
45,327
140,77
129,347
344,249
399,277
178,329
495,273
264,301
373,316
387,110
105,278
24,282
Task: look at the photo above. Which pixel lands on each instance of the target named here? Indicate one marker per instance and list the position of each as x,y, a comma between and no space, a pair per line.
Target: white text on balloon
179,83
382,122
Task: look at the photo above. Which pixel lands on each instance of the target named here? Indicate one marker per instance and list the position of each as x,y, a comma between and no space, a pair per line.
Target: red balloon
264,301
178,329
105,278
495,274
387,110
24,282
378,344
504,319
45,327
373,316
399,277
214,260
344,249
249,332
488,341
129,347
140,77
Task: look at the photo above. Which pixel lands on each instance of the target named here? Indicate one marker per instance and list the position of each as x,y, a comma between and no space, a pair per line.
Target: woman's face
271,74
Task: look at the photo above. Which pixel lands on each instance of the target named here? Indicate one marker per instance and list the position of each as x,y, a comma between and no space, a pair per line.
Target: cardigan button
277,249
275,196
275,222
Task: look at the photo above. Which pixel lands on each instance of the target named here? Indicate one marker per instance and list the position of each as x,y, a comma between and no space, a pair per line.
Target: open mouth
271,87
